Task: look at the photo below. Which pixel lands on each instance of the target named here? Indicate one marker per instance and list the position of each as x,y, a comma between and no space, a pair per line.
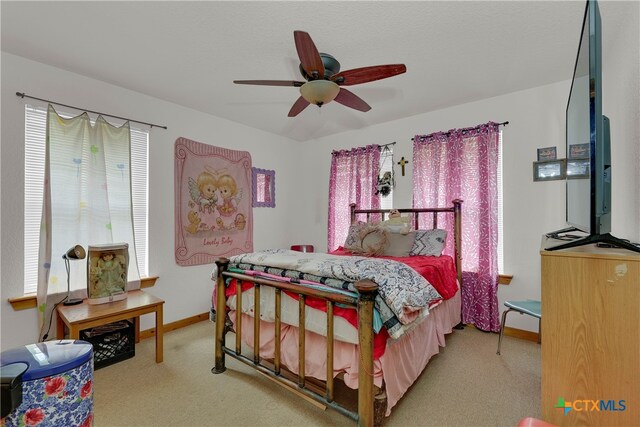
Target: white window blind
140,196
35,139
386,165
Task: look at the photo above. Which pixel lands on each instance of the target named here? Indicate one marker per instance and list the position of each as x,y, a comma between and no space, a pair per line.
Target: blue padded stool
530,307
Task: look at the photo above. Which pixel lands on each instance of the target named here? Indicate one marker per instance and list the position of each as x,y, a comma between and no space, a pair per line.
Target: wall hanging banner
213,216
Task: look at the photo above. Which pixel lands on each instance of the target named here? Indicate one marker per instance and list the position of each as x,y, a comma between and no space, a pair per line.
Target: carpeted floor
467,384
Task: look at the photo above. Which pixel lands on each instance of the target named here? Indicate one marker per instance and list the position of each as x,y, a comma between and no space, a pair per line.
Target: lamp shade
319,92
75,252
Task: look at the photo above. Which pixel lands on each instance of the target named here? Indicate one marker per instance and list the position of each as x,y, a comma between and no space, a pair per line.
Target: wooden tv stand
590,336
85,316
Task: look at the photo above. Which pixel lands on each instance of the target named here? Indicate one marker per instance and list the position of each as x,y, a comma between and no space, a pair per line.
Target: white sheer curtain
87,201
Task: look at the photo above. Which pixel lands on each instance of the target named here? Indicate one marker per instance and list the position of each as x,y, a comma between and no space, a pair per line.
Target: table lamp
75,252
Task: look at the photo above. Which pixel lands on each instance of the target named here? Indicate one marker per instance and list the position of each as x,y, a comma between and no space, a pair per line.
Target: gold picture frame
107,270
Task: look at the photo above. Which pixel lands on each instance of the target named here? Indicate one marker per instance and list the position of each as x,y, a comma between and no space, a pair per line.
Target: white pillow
429,242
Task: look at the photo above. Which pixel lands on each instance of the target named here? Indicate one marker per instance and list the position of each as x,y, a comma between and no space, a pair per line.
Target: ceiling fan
324,81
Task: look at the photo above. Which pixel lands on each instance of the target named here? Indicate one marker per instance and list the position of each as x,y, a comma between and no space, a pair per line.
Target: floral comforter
403,294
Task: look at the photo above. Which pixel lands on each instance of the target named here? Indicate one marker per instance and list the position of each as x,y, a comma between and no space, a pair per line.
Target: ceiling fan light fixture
325,81
319,92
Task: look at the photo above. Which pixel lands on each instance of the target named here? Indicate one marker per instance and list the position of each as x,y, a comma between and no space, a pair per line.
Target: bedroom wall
536,119
186,290
621,103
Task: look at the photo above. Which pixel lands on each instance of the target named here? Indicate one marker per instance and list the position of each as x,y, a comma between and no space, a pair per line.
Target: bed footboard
368,398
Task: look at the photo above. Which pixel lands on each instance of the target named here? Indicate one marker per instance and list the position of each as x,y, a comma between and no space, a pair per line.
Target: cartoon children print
203,191
230,195
212,191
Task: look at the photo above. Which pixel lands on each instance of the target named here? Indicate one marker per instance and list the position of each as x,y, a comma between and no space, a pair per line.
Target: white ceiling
189,53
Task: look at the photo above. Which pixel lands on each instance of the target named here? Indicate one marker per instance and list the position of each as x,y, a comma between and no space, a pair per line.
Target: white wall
621,103
536,119
186,290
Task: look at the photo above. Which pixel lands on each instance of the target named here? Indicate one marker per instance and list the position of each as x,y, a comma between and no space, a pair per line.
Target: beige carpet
467,384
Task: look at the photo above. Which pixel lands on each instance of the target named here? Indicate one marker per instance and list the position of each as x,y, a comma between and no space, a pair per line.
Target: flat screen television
588,163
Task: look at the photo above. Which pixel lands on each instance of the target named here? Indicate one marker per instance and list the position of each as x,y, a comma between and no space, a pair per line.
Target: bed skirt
402,363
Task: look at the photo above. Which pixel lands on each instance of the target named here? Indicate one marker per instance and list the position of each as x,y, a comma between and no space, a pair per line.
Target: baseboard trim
521,333
516,333
168,327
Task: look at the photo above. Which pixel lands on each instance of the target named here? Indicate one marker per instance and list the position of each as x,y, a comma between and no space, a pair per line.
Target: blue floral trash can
48,384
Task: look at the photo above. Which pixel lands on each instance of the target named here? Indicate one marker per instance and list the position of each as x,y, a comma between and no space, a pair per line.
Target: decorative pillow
353,235
429,242
400,245
374,241
366,239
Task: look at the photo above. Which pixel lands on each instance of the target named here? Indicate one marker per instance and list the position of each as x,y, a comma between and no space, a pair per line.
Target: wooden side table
85,316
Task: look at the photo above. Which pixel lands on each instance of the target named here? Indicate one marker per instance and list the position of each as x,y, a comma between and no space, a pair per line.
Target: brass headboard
456,210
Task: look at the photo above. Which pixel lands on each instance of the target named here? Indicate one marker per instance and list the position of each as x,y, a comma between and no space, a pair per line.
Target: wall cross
403,162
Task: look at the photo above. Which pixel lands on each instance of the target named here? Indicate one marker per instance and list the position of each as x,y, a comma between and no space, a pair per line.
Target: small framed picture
264,188
546,154
107,269
579,151
578,168
549,171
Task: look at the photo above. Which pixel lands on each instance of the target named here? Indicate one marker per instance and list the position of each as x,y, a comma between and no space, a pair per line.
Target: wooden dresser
591,336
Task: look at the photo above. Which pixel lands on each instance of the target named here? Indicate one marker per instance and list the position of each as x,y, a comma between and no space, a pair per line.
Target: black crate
112,343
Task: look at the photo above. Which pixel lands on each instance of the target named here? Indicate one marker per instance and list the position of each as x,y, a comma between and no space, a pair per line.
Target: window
35,137
386,165
352,179
500,218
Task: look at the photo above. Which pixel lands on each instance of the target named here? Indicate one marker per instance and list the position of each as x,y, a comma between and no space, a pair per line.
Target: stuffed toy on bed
397,223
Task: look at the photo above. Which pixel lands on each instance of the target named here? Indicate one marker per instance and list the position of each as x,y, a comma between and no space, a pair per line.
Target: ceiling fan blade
308,54
269,82
351,100
298,106
368,74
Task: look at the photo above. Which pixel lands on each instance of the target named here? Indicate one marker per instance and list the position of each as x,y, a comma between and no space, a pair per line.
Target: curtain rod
380,147
474,128
23,95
